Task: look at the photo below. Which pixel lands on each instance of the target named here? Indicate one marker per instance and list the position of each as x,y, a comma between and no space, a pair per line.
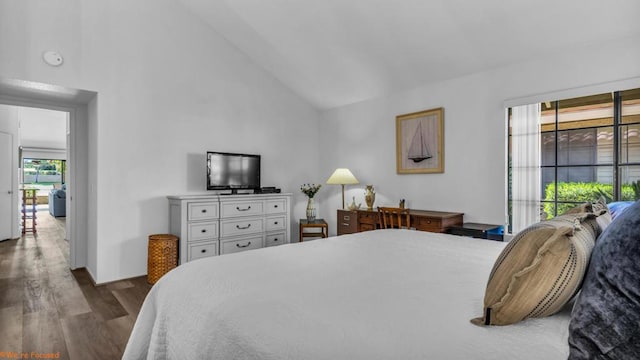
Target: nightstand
317,223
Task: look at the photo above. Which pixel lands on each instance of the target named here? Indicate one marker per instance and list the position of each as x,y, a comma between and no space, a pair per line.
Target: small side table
317,223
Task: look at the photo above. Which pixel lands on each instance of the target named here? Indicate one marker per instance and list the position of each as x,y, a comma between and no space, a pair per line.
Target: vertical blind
525,165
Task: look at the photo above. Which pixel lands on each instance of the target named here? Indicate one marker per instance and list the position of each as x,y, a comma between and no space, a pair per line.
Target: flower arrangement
310,189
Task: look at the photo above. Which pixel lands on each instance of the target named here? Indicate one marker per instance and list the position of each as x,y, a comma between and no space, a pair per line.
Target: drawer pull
346,218
247,209
345,224
203,251
275,206
243,246
275,223
203,231
204,211
275,239
243,227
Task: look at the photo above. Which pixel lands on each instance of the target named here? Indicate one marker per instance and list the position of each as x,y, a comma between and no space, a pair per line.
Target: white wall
362,136
169,89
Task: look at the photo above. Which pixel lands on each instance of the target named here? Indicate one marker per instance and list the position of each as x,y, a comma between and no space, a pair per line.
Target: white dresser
210,225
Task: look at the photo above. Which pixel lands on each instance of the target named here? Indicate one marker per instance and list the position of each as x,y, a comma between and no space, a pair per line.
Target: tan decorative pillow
598,208
601,210
582,208
540,270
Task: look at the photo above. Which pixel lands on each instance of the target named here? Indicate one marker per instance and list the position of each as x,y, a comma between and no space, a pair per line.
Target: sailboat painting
419,142
418,148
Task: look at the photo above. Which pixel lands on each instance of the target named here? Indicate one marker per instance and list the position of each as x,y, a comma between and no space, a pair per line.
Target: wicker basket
163,256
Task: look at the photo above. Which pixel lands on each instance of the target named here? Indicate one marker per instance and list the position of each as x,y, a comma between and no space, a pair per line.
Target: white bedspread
384,294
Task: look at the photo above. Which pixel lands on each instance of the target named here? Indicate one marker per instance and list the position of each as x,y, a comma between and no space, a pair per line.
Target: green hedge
582,192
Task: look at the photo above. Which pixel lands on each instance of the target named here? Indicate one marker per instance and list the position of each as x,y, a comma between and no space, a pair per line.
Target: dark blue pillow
605,322
618,207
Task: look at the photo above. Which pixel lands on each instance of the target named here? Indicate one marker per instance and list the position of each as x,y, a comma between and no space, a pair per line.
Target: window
43,174
589,147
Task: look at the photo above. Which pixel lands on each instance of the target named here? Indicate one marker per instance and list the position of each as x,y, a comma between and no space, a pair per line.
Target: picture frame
420,142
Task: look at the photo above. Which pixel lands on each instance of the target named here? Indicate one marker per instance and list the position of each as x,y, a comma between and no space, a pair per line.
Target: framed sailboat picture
420,142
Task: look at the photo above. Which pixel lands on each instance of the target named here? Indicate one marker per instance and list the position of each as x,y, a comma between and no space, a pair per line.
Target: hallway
46,308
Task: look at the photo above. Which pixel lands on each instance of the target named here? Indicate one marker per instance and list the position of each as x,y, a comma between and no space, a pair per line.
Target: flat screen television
229,171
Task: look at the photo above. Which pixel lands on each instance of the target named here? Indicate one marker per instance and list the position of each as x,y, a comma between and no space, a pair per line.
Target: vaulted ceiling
336,52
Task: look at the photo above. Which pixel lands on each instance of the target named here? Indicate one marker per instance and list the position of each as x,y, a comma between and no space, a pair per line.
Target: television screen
232,171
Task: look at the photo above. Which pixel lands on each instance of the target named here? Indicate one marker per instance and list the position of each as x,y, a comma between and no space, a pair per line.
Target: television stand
211,225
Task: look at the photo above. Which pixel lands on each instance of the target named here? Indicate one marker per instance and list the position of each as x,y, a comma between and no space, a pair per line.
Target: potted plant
310,190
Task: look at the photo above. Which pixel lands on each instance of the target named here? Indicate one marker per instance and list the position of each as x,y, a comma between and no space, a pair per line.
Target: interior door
6,191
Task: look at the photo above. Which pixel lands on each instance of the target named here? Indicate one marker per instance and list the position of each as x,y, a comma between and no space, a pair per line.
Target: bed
383,294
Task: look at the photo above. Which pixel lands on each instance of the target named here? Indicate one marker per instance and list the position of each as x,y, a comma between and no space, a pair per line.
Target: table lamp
342,177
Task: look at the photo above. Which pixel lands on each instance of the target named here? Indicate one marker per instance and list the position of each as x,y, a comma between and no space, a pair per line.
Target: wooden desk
350,222
317,223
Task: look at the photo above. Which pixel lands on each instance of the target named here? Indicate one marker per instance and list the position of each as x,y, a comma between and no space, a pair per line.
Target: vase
311,210
369,196
353,205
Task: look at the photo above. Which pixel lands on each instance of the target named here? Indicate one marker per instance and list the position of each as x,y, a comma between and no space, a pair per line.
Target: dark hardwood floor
45,308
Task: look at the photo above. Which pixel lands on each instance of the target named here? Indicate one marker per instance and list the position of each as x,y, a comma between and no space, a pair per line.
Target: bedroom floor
46,308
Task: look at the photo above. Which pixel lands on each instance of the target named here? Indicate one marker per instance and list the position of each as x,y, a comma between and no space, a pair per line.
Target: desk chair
392,218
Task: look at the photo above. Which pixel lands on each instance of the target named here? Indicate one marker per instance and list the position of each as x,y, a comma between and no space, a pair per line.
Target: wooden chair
392,218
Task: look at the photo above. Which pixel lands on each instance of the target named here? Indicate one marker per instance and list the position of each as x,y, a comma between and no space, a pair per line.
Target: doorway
43,157
76,104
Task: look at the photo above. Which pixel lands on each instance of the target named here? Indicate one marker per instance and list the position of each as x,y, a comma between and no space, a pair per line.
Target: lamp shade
342,176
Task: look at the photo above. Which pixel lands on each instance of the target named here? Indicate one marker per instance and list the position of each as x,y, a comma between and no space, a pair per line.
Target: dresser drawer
202,250
242,208
241,227
367,220
246,243
366,227
344,228
370,218
347,222
202,211
276,223
428,224
201,231
275,239
276,206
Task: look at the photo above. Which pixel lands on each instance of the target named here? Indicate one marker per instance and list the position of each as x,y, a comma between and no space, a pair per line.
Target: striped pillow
540,270
598,208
